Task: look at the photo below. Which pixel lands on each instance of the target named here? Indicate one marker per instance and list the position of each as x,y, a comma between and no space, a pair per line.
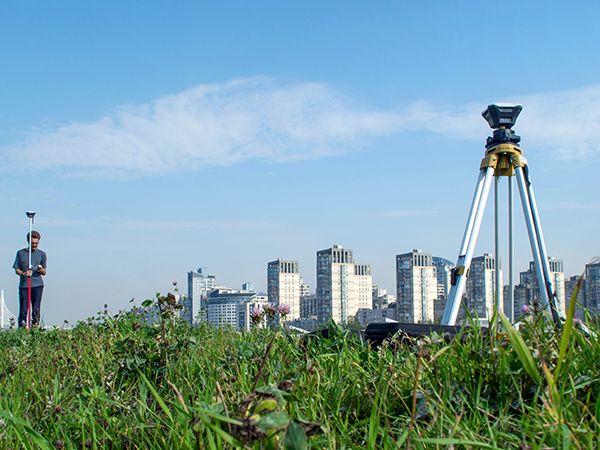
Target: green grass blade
223,434
36,437
374,424
568,328
521,349
158,398
219,417
555,397
453,441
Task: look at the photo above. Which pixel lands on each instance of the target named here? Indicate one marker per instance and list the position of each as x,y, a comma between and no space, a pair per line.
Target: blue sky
153,138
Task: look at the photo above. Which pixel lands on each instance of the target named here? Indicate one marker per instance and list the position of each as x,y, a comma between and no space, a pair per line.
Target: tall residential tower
200,283
480,290
444,275
283,285
527,292
416,287
592,287
343,286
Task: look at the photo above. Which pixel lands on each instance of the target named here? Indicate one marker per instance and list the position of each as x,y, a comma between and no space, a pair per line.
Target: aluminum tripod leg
511,288
536,240
497,306
467,248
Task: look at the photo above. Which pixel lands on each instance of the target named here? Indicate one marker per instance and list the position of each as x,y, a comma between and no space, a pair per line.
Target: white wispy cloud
231,122
208,125
565,123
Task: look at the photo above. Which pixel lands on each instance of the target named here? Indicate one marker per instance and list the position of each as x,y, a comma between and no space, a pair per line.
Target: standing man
21,266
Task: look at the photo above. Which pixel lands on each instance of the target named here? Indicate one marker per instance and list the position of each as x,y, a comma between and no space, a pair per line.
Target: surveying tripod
503,158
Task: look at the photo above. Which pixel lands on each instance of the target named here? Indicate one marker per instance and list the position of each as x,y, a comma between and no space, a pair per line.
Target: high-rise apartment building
523,293
557,274
283,285
200,283
592,287
343,286
444,274
416,287
304,288
581,297
527,292
308,306
308,302
507,298
480,290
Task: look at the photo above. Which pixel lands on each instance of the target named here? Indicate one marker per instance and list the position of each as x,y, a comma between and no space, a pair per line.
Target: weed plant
114,382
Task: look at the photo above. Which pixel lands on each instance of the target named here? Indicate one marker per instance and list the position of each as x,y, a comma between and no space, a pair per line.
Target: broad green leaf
268,405
295,438
274,420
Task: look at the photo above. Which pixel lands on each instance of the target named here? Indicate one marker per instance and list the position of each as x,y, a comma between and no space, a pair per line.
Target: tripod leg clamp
456,272
489,161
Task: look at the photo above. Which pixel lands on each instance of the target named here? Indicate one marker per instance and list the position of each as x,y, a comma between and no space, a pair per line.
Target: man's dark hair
35,235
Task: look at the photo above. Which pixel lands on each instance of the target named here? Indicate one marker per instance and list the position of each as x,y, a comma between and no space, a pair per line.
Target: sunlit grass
112,383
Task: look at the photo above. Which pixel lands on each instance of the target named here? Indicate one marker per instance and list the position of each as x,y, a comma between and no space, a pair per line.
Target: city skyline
154,140
345,291
440,289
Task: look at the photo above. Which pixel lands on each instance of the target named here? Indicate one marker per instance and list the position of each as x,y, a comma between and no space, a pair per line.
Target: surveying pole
503,158
31,215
